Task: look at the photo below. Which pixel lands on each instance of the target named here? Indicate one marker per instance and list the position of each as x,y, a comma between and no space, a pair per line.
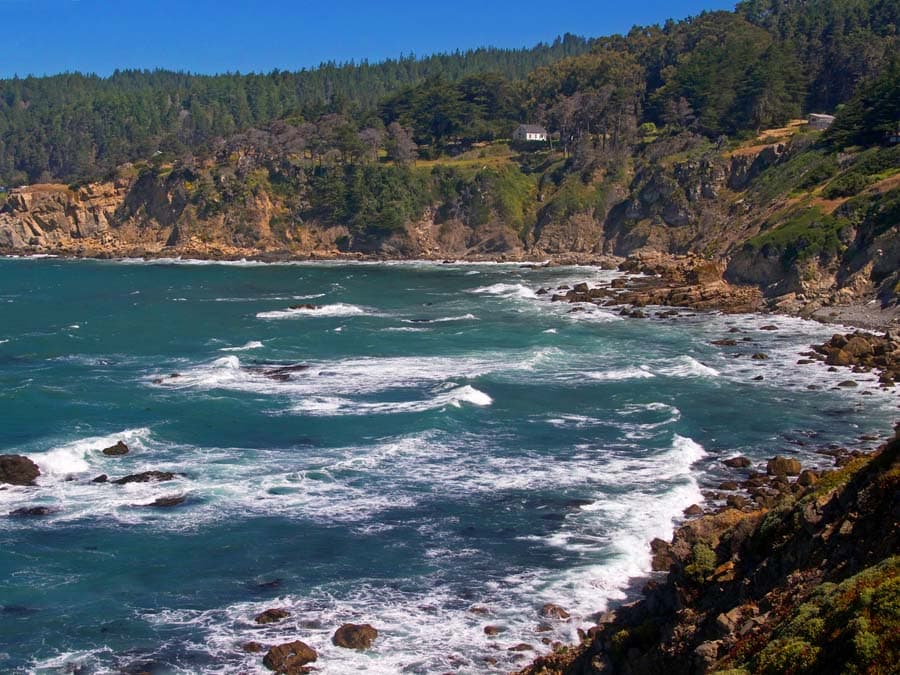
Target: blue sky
207,36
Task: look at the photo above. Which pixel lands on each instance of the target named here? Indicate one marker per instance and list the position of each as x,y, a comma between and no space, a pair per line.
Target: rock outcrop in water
810,584
354,636
290,658
18,470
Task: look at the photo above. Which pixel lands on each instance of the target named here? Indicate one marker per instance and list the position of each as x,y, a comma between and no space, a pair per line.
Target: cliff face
764,211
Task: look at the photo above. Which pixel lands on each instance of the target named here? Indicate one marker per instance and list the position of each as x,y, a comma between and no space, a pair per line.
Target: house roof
532,129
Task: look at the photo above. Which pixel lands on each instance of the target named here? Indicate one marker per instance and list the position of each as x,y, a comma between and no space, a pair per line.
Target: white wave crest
621,374
253,344
506,290
688,366
337,309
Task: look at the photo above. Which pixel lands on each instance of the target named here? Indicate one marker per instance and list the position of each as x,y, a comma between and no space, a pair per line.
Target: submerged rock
166,502
30,511
272,615
354,636
145,477
552,611
290,657
18,470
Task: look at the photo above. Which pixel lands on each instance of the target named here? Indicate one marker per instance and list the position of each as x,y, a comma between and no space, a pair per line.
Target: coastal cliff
740,209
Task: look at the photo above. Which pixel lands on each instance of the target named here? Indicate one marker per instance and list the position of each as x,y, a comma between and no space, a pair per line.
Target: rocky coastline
726,595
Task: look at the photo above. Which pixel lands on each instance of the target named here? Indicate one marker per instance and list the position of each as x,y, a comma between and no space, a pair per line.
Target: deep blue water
457,442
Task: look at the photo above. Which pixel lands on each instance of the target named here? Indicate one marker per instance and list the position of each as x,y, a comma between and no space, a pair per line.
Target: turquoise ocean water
457,443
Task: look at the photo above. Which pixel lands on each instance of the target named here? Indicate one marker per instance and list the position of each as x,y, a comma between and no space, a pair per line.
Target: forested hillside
76,126
689,137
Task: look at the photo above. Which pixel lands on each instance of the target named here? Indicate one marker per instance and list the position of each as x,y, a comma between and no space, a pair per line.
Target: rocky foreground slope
807,581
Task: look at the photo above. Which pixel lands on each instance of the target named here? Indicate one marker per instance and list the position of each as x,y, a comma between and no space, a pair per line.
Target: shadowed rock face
18,470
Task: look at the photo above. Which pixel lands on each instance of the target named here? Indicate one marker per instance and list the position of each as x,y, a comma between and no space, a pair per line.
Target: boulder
693,510
739,462
115,450
783,466
145,477
354,636
807,478
290,657
759,356
272,615
18,470
493,630
252,647
102,478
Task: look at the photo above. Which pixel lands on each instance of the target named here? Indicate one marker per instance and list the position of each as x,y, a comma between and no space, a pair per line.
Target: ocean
431,449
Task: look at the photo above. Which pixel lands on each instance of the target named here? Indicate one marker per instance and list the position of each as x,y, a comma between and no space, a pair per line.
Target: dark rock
354,636
493,630
521,647
102,478
29,511
726,342
272,615
769,327
758,378
18,470
739,462
290,657
115,450
848,383
145,477
729,485
166,502
252,647
305,305
759,356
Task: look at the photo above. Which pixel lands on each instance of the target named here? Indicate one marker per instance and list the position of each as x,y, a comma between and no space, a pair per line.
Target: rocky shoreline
709,551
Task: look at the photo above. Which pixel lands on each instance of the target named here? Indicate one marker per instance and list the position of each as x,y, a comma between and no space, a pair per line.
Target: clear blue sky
211,36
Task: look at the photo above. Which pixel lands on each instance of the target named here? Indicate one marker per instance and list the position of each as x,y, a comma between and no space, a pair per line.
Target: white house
530,132
820,122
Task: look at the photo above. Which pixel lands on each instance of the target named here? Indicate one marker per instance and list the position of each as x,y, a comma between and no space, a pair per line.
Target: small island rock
115,450
354,636
18,470
290,657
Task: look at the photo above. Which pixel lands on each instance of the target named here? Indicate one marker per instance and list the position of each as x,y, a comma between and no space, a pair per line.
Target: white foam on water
405,329
337,309
506,290
550,330
642,372
83,455
253,344
688,366
338,406
3,342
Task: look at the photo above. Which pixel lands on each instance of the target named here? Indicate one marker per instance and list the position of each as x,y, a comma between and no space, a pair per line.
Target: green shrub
702,562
